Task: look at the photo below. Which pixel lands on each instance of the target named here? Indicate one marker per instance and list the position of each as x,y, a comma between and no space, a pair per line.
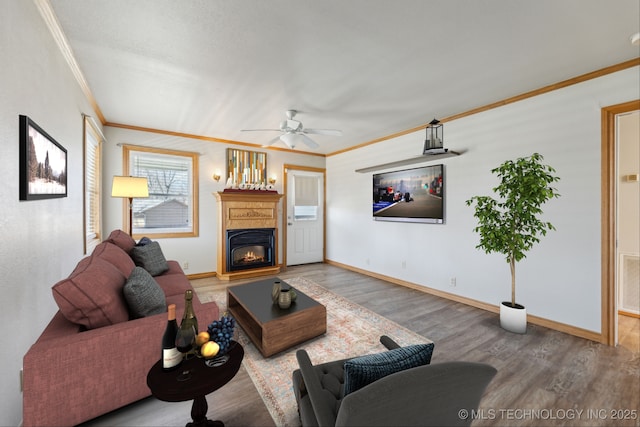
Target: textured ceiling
371,68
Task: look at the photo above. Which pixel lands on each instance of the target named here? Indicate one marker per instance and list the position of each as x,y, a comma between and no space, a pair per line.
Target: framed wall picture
43,163
246,167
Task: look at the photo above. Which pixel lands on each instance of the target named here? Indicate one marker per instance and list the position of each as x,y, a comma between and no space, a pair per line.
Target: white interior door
305,217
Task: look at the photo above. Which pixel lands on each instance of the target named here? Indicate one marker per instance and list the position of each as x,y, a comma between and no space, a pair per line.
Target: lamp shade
129,186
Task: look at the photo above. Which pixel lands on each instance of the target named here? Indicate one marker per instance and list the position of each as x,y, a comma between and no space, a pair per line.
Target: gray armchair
428,395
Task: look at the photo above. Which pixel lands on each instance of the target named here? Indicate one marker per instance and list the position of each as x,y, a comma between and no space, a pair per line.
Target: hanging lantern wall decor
434,140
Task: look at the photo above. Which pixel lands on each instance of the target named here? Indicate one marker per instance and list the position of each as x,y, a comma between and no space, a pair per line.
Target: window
92,173
306,198
171,210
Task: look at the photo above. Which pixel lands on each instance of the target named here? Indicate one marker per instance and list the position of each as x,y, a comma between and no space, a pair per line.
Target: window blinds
92,176
306,190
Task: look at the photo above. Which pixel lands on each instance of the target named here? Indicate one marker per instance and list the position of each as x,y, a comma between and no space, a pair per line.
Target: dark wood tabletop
204,380
256,297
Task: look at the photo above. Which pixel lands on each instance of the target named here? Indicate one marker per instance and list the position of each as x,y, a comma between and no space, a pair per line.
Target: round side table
202,381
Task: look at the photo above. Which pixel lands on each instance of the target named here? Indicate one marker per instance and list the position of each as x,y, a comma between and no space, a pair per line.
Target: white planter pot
513,319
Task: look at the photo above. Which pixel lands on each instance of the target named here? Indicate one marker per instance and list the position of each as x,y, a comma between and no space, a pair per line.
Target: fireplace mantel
241,210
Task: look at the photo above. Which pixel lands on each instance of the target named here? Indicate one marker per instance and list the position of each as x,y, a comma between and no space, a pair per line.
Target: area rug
352,330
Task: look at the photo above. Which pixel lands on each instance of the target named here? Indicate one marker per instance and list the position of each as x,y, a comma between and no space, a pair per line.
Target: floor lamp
129,187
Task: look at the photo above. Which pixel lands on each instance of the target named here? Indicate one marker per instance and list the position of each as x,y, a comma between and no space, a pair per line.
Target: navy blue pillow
361,371
144,241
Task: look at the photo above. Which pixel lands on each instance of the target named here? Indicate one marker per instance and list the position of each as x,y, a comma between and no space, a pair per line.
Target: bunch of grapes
221,331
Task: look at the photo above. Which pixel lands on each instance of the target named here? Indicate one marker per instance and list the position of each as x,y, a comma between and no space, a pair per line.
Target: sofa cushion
361,371
143,294
92,295
174,281
116,256
150,257
121,239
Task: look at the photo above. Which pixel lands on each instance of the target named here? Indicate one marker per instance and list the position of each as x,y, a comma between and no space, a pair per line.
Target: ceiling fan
293,131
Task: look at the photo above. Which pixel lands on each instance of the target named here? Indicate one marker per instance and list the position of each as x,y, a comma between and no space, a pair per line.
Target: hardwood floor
629,331
545,377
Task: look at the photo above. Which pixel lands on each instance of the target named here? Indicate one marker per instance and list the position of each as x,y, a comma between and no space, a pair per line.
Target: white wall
560,278
41,239
199,252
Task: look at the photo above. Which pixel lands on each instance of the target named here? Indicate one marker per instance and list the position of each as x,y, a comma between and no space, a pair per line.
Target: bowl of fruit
214,343
221,331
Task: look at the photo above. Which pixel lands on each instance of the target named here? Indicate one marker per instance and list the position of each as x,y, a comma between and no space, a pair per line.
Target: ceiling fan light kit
289,139
294,131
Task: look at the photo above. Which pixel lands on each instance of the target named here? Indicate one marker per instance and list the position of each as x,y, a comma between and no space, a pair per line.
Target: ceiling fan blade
259,130
291,125
310,142
331,132
271,142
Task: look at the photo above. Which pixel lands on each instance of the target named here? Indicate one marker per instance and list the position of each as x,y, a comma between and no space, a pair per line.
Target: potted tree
512,224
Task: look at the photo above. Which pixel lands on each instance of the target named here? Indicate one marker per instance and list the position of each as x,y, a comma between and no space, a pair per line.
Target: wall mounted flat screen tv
410,195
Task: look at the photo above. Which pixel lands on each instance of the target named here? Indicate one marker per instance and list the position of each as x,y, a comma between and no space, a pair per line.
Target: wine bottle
171,357
189,316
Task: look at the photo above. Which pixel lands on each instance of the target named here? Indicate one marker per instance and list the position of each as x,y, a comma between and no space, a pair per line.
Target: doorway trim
608,217
323,171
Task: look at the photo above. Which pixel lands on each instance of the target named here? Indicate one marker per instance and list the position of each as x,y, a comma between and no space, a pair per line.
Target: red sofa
92,358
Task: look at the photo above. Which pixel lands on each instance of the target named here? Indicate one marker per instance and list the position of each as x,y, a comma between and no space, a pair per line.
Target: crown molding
50,19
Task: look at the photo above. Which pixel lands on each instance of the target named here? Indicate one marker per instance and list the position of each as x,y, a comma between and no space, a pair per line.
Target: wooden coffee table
269,327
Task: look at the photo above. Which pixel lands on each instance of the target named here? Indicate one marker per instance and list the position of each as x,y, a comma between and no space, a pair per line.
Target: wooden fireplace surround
241,210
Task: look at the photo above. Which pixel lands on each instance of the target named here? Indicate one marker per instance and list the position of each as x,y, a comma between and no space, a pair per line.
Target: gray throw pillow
150,257
143,294
362,371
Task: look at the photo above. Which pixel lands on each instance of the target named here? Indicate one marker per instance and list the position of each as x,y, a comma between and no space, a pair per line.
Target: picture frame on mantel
246,167
43,163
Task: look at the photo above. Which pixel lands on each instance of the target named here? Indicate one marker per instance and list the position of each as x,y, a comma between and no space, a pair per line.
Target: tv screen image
410,195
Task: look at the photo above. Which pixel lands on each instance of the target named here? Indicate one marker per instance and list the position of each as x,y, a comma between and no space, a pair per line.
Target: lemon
209,349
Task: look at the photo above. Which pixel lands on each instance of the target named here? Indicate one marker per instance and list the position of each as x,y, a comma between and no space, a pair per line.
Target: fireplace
247,244
250,248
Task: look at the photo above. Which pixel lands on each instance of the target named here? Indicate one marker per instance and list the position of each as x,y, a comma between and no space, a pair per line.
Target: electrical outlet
404,264
452,282
367,261
185,265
